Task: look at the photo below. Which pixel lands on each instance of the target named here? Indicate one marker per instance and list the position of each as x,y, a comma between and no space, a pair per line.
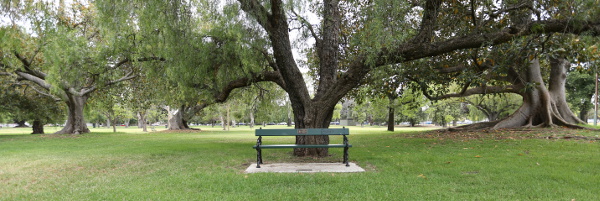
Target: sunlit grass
208,165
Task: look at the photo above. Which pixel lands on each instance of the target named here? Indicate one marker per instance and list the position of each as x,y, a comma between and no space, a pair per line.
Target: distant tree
445,111
494,106
580,89
21,102
409,107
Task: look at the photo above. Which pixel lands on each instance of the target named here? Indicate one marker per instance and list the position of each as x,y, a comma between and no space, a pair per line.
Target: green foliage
204,47
409,107
580,88
21,102
492,107
445,112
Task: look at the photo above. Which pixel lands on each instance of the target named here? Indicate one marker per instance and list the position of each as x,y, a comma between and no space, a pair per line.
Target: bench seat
276,146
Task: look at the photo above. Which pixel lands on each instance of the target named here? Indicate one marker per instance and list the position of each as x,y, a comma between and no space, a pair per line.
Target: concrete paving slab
304,168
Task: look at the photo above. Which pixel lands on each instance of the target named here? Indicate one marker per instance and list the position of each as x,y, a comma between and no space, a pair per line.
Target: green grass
209,165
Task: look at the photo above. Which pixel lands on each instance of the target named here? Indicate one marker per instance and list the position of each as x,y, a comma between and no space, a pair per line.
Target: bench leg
346,156
258,157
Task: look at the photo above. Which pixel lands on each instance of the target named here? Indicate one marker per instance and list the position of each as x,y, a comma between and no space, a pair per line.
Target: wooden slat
307,131
276,146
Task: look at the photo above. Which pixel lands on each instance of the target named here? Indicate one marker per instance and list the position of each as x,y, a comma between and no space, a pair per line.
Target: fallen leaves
505,134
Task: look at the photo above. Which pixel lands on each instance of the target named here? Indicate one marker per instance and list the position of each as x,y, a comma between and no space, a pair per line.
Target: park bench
296,132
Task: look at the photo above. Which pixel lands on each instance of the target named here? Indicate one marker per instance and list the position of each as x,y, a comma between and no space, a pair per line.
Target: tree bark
252,119
542,106
38,127
142,121
391,113
176,121
75,121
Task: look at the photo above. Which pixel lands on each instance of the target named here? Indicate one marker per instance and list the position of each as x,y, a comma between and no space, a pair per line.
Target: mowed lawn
209,165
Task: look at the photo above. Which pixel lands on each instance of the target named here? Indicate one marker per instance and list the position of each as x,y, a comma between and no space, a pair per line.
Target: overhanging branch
272,76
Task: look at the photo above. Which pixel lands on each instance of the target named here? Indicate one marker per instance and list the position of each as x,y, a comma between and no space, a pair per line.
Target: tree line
189,55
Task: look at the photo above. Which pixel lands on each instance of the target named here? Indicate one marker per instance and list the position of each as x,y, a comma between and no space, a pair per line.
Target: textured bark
542,106
176,121
38,127
390,122
75,122
252,119
142,122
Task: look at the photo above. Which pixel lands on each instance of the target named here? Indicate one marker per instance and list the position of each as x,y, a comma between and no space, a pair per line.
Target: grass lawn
409,164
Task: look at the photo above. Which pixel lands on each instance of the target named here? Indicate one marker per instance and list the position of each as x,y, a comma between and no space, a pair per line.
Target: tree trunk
543,107
176,122
251,119
228,120
176,119
38,127
222,122
289,114
315,116
390,121
20,123
75,120
142,123
584,108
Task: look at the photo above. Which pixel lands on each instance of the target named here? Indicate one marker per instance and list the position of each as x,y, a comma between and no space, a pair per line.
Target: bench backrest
303,131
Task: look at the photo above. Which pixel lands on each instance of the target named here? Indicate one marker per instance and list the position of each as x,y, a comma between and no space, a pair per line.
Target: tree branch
428,22
39,81
272,76
523,5
310,28
127,60
412,51
257,11
42,92
479,90
27,66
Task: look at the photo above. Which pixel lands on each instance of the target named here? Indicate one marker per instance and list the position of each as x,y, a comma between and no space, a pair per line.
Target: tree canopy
209,48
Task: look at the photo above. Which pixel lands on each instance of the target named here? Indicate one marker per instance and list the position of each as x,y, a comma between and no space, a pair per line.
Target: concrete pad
304,168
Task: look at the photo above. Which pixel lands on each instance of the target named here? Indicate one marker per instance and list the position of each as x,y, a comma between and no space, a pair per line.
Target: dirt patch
180,131
59,135
501,134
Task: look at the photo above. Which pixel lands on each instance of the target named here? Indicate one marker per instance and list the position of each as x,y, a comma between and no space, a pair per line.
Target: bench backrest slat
303,131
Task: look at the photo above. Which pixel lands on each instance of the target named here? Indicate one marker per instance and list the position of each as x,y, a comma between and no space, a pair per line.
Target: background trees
205,49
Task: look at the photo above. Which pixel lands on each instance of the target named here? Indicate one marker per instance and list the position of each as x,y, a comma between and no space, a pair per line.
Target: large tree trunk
176,121
543,107
75,121
316,116
38,127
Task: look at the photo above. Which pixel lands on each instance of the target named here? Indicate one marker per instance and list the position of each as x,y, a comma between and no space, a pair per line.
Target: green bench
296,132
